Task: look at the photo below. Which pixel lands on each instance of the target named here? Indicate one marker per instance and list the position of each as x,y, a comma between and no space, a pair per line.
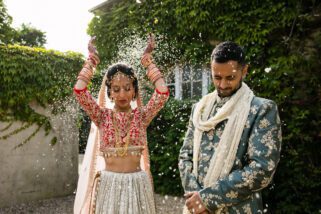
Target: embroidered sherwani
254,166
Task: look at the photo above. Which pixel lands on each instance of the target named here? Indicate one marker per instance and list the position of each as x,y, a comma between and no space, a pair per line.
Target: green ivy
165,137
34,74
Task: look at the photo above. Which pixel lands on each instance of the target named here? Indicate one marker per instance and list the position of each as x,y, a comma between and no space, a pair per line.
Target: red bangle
94,59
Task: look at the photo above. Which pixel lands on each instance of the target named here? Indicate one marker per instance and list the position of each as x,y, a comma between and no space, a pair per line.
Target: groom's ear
244,70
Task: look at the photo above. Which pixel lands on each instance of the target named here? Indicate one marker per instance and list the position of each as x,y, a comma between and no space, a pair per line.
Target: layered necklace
122,142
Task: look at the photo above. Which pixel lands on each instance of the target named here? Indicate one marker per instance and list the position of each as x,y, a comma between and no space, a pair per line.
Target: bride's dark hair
126,70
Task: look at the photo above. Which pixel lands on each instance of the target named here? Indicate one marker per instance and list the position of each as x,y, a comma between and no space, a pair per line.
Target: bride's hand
93,53
91,46
150,44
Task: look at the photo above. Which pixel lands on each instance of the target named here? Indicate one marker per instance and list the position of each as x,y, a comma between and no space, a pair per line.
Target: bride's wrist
87,71
153,73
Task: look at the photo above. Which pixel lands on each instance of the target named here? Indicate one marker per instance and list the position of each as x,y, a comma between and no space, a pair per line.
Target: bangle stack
88,68
87,71
153,73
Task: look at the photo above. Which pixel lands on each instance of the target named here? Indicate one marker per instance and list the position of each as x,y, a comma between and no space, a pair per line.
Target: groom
232,145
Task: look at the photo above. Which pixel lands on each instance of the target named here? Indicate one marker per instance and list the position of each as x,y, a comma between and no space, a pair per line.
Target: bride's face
122,92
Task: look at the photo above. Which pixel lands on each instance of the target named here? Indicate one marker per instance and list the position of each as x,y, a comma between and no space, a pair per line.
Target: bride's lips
122,101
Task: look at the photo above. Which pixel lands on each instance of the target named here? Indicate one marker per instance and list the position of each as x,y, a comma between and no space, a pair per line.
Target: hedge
34,74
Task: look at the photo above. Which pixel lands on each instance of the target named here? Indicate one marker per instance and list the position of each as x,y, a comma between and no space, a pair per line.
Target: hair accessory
120,74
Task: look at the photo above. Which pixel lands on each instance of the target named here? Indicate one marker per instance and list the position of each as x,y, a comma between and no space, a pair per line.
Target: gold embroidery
232,194
264,123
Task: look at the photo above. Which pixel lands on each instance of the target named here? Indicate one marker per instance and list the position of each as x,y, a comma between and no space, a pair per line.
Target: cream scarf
236,111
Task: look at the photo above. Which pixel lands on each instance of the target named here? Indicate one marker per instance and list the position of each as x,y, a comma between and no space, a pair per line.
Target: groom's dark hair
227,51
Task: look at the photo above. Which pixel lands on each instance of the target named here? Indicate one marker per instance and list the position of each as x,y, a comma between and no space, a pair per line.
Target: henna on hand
91,46
150,44
93,53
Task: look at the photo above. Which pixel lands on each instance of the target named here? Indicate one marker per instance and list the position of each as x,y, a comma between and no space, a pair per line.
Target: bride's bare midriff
124,164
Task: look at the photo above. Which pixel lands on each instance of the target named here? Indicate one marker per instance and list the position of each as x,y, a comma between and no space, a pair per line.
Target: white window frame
178,72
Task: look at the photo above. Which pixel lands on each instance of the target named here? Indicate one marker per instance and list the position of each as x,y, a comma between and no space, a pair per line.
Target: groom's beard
227,92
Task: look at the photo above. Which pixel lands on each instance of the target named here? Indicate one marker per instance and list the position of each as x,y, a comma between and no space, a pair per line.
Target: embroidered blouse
140,118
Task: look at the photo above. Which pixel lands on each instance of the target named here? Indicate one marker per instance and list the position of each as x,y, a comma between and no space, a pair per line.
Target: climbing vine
34,74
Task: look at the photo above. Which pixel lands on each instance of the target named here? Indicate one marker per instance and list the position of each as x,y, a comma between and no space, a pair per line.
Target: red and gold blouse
105,118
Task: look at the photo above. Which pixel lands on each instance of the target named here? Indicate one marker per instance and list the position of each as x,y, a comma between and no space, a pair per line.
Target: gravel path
64,205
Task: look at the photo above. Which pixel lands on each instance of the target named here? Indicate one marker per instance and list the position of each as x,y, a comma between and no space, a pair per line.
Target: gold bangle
159,76
151,66
87,70
153,77
89,65
152,69
85,75
83,79
150,74
95,58
153,72
155,69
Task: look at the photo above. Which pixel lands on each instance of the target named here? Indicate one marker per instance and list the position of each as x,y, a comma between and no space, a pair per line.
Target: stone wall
37,169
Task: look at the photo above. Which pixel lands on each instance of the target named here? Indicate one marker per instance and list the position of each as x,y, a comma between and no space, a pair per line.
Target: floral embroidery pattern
264,123
232,194
253,109
247,209
102,117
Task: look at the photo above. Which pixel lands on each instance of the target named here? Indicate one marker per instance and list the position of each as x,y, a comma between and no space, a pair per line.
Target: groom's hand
194,203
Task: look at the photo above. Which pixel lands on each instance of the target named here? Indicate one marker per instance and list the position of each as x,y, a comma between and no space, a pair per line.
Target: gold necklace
122,150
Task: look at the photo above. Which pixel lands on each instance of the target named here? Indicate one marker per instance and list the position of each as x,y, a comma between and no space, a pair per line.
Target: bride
115,176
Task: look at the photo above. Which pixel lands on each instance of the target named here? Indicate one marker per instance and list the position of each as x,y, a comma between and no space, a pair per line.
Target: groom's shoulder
263,103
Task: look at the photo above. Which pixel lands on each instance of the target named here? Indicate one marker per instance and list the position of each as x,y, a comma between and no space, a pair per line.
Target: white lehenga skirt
124,193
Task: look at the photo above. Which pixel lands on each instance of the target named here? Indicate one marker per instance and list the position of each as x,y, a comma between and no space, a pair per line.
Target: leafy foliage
27,35
282,40
165,137
6,31
34,74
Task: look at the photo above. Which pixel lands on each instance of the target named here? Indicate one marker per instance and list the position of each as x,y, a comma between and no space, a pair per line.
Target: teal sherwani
257,157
